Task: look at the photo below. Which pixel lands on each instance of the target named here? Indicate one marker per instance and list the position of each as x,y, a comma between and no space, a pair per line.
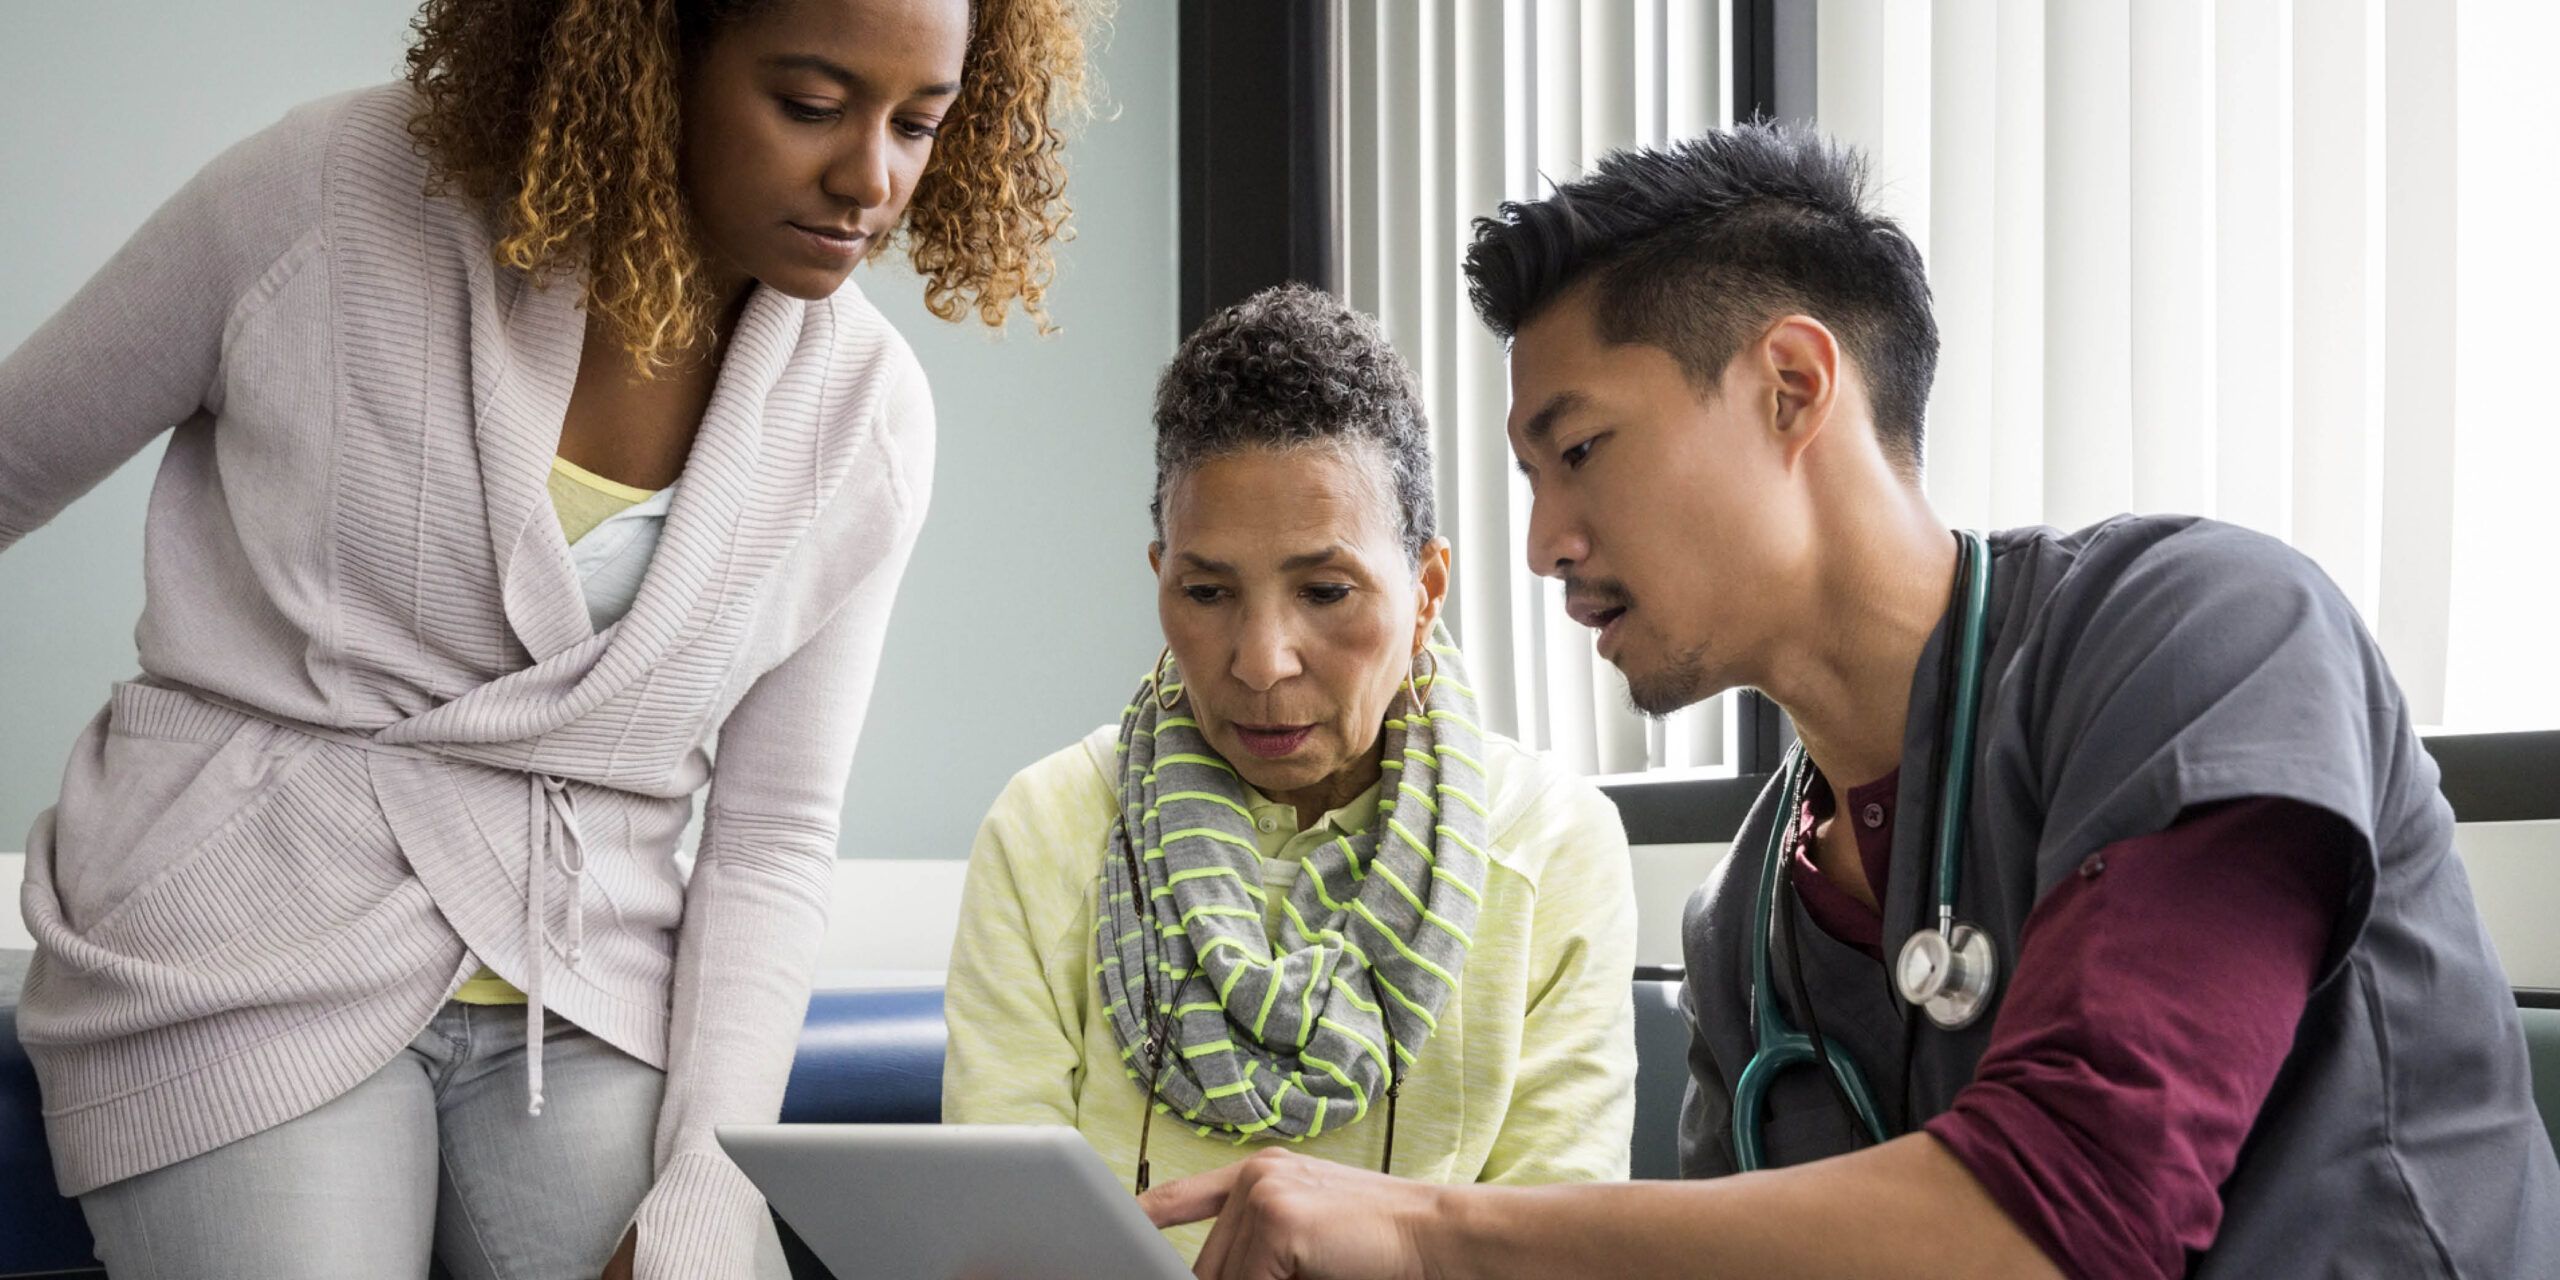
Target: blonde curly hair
566,114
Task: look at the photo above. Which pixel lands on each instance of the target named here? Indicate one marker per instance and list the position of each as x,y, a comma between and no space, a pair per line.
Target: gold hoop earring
1156,679
1410,689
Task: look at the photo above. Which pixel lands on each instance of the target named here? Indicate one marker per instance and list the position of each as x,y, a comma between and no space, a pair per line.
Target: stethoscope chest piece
1950,976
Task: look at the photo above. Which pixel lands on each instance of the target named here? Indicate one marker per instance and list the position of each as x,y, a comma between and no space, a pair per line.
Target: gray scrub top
2137,669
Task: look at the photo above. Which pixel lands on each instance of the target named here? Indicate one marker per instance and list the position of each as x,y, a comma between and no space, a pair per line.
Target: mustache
1597,593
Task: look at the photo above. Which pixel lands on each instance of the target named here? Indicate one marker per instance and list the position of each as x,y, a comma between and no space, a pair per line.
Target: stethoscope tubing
1776,1044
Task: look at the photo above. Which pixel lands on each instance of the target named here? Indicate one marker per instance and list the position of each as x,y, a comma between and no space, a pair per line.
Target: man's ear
1798,361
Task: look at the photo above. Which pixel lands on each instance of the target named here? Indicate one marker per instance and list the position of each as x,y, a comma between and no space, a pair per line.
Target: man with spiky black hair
2104,919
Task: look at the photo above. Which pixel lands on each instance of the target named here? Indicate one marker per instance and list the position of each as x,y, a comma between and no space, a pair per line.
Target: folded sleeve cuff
699,1222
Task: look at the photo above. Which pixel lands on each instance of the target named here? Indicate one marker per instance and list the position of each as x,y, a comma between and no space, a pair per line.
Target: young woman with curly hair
535,470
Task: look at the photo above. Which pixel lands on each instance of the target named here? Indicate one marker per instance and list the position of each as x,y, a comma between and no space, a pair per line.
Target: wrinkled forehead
1262,503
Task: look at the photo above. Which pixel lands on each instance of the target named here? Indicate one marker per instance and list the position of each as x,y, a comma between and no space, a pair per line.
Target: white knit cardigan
377,741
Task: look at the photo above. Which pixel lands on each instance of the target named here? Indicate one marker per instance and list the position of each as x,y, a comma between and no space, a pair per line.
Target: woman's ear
1435,591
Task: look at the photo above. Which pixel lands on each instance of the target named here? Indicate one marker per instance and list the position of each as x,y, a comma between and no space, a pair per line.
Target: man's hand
1282,1216
1905,1208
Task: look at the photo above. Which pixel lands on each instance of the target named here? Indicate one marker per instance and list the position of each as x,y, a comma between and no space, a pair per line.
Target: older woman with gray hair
1299,893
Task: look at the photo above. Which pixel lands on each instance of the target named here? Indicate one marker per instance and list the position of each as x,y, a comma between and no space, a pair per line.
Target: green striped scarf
1287,1040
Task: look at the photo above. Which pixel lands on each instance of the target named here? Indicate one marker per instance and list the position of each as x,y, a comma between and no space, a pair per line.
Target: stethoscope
1948,973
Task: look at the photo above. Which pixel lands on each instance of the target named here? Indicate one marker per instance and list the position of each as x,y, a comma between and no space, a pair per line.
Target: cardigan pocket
139,809
275,880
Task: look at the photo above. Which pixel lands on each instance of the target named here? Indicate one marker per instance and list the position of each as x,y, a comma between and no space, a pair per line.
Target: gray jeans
430,1158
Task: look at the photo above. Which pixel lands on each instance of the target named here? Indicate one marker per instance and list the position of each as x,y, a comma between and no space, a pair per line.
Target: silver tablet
952,1202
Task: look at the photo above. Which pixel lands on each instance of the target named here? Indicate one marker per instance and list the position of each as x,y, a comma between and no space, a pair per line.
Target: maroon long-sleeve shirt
2154,1001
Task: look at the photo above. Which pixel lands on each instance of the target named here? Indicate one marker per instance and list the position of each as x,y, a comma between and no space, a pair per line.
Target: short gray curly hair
1292,367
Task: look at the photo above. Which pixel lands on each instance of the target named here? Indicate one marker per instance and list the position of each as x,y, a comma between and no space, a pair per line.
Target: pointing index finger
1193,1199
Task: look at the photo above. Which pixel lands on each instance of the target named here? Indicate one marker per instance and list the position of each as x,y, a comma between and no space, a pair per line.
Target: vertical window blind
2271,261
1447,108
2184,261
2265,260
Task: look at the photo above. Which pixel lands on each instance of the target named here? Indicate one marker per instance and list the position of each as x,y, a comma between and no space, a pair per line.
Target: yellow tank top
583,500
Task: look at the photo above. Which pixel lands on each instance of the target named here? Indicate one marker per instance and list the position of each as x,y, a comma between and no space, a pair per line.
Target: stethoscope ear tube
1949,973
